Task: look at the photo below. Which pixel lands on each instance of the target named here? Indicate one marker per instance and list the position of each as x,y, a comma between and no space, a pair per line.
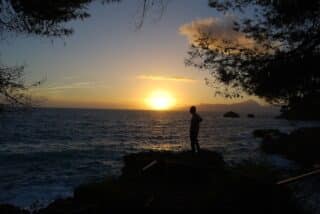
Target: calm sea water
45,153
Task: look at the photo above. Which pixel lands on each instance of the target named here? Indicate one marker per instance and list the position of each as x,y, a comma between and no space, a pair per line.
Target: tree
151,6
42,18
46,19
12,88
38,18
281,62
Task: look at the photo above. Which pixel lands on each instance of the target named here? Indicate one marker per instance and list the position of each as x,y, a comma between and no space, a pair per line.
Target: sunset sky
108,63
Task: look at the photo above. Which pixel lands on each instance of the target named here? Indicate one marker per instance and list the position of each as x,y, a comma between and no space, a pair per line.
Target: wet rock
231,114
301,145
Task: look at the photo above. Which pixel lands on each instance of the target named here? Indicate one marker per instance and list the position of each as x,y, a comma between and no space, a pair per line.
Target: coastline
179,182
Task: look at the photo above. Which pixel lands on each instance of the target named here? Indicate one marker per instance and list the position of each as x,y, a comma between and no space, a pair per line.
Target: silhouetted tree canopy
282,63
43,18
46,18
35,17
12,87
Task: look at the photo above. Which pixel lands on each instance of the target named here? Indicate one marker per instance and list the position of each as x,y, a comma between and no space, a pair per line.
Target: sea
45,153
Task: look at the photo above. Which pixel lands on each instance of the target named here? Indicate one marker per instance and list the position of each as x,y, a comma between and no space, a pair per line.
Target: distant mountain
246,107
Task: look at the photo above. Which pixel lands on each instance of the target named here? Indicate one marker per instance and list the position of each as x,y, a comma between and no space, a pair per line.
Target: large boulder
301,145
250,115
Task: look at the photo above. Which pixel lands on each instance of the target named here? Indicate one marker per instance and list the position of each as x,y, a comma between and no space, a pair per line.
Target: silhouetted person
194,129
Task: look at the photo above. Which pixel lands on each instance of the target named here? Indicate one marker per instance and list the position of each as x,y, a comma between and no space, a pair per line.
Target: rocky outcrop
251,116
231,114
301,145
165,182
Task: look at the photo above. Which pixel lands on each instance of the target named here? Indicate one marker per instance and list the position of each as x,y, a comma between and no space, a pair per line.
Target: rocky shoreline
301,145
158,182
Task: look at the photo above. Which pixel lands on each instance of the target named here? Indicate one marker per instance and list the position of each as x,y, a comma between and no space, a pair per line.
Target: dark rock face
9,209
301,145
231,114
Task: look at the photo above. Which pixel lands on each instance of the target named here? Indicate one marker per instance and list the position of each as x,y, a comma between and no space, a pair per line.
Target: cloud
77,85
162,78
217,30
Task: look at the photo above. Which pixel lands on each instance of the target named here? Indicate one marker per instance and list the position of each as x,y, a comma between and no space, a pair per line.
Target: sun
160,100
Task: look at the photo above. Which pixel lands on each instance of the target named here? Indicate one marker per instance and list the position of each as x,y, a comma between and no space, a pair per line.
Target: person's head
193,110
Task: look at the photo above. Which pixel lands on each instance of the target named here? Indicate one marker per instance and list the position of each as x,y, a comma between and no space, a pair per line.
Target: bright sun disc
160,100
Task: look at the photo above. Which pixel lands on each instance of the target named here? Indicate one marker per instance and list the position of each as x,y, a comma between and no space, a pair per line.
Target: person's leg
195,136
192,140
193,147
198,146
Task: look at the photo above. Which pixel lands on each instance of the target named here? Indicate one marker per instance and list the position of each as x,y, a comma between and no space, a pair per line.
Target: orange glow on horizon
160,100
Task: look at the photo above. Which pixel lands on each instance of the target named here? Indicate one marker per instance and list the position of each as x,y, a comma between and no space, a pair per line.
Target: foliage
148,7
12,88
48,18
43,18
39,18
281,66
